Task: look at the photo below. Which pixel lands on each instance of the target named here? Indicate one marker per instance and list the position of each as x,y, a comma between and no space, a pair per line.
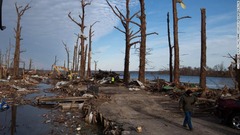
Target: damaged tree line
82,54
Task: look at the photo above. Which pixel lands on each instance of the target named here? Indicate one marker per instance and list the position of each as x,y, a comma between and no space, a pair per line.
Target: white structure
238,34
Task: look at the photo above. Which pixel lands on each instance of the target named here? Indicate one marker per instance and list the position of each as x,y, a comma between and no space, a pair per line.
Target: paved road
156,114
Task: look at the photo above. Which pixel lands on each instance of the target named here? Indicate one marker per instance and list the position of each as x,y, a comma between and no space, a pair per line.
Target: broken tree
129,35
170,50
142,56
142,61
20,12
203,71
67,51
82,26
175,33
90,50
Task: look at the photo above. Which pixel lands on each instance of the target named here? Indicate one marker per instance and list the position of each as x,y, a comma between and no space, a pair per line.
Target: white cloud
46,24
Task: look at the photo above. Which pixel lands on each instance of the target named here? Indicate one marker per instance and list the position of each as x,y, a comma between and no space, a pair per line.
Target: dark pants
187,119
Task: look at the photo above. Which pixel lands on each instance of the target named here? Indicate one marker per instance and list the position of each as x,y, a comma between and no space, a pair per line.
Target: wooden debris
61,99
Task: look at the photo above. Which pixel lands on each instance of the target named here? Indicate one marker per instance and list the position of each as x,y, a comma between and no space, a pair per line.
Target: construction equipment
62,72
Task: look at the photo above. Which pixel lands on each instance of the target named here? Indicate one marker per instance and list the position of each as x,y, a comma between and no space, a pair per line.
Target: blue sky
45,25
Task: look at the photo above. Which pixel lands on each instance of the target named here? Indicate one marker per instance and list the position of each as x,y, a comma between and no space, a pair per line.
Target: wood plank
62,99
67,106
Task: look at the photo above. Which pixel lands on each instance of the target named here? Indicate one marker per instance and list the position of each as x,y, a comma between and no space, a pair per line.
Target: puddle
42,87
26,119
23,120
33,120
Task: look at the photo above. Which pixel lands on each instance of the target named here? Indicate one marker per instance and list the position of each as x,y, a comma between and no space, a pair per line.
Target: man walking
186,103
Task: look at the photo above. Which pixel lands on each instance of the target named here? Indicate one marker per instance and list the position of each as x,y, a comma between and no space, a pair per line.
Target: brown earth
155,113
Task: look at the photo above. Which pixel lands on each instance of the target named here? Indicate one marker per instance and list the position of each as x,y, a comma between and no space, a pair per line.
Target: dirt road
155,113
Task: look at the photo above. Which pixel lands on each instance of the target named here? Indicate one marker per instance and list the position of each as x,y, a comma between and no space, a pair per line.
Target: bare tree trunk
85,56
89,74
237,73
20,12
170,50
78,55
234,67
127,45
82,37
129,35
74,58
176,47
67,51
55,62
30,64
95,66
8,54
126,76
83,63
203,72
141,74
89,54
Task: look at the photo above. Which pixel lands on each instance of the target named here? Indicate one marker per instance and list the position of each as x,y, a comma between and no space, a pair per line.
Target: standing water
32,120
25,119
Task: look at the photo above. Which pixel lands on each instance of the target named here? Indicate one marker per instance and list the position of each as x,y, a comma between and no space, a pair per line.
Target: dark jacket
187,102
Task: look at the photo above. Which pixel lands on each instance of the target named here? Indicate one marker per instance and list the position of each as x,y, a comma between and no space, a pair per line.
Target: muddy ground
156,114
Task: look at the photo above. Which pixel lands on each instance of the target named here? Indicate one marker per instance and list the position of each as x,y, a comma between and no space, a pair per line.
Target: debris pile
104,77
14,90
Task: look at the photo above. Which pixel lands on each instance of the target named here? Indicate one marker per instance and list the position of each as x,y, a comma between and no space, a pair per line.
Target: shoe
185,126
190,129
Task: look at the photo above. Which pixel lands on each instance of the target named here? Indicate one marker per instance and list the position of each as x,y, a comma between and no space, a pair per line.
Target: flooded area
24,119
42,120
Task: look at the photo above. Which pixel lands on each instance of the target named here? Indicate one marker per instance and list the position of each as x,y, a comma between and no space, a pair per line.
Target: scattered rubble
78,100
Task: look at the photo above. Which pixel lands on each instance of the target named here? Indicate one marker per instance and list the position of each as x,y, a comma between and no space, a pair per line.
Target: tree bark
89,74
78,54
95,66
85,56
82,64
176,47
74,57
142,64
82,37
170,50
30,64
8,54
67,51
203,71
129,35
128,46
20,12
